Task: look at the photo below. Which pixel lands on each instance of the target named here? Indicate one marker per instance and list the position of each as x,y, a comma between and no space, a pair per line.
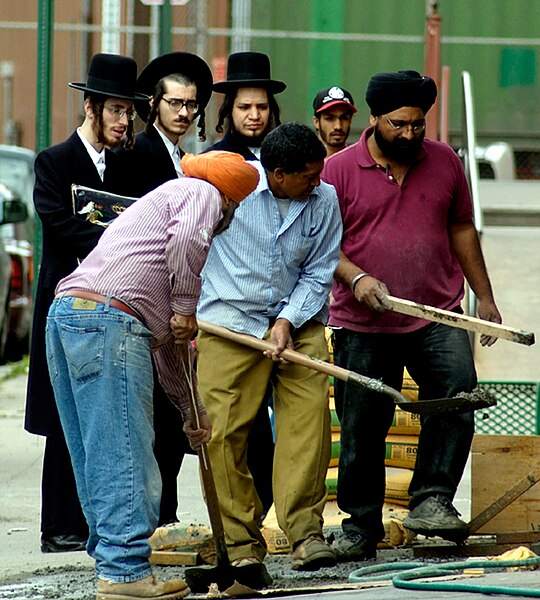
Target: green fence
517,411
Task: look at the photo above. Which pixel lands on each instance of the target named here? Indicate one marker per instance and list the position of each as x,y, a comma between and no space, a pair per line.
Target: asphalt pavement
513,258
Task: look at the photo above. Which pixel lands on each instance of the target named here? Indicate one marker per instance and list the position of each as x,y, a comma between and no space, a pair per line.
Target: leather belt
101,299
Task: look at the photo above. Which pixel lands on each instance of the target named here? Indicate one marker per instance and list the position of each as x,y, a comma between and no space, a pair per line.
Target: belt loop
108,298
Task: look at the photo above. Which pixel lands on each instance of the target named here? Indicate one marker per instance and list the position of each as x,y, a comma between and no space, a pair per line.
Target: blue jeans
439,359
101,371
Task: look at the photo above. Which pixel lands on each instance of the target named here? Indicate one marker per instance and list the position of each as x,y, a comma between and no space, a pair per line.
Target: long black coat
65,238
150,163
230,143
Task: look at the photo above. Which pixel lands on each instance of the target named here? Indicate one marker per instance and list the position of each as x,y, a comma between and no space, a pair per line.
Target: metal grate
517,410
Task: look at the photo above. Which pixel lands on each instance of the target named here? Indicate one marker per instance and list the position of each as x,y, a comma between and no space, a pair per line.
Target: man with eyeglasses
84,159
409,231
179,85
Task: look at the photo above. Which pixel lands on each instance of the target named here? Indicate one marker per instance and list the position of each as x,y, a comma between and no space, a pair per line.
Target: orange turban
227,171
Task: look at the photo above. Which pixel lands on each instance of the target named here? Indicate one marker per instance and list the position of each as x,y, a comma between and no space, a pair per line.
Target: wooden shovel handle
305,360
438,315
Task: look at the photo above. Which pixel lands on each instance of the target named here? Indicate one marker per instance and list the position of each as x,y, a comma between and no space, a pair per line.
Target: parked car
12,210
496,161
18,238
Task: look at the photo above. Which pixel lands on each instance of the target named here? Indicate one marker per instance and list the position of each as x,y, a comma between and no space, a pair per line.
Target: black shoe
436,515
354,546
62,543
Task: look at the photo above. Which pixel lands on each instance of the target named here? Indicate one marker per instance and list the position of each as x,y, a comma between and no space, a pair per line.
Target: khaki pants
232,383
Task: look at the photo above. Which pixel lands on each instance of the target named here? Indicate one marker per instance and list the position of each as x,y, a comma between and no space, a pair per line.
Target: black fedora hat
185,63
249,69
111,75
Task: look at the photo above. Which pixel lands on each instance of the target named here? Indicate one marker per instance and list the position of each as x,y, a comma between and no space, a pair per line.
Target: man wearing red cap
125,302
408,231
333,110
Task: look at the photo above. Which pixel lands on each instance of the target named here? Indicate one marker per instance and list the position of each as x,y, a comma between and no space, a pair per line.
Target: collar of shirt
98,158
173,150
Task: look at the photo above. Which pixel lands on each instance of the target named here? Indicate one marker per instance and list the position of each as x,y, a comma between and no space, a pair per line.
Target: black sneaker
436,515
353,546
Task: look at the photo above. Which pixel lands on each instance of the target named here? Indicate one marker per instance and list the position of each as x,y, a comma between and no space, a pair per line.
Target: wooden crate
498,463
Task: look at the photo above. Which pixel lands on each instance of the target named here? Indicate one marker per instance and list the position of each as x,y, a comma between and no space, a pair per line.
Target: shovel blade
461,403
254,576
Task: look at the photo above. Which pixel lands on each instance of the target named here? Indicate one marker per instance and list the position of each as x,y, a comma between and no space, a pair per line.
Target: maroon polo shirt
398,233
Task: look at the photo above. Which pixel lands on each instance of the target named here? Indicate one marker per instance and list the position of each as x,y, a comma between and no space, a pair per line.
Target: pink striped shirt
151,258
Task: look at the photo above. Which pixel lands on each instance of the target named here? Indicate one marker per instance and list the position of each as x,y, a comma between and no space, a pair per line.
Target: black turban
387,92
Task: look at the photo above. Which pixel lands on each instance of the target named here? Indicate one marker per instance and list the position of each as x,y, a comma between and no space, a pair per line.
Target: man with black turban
409,231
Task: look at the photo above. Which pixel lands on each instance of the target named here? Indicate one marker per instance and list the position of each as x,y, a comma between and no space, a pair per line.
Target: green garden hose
416,570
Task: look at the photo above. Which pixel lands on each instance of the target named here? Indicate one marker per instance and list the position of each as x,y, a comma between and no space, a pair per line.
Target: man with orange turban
135,294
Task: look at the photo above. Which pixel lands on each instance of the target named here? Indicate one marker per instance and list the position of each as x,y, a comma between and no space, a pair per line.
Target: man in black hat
179,85
249,110
333,110
82,159
408,231
249,113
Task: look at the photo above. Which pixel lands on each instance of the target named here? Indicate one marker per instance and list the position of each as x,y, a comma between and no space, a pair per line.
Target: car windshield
17,175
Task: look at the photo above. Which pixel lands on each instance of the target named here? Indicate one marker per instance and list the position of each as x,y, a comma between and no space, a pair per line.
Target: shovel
447,317
224,575
463,402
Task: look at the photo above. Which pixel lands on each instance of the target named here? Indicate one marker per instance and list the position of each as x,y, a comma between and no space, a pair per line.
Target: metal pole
165,21
6,73
44,73
111,21
241,25
43,98
432,62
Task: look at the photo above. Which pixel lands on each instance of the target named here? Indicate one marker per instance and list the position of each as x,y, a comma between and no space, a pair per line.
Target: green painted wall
506,84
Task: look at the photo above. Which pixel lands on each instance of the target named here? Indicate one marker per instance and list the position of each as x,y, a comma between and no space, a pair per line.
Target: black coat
65,238
230,143
150,163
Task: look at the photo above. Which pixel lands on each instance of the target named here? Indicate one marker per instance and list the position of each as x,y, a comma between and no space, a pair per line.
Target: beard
249,141
226,219
400,149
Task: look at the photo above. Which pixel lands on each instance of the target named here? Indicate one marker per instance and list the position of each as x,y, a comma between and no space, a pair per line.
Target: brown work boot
312,554
149,587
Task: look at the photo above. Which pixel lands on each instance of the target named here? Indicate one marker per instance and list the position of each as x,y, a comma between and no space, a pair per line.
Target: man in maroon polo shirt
408,231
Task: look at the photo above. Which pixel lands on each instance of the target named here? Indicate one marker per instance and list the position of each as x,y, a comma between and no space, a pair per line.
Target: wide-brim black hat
249,69
113,76
185,63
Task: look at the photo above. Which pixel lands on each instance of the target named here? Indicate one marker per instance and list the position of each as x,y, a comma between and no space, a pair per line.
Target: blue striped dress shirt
265,267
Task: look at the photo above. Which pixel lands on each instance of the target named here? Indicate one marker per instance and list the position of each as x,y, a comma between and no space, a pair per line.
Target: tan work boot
149,587
312,554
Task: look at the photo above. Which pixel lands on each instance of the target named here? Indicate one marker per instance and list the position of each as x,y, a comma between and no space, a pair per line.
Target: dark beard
401,150
250,142
226,219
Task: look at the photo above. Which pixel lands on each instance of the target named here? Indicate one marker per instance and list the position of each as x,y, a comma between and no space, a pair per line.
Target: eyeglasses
176,105
399,127
118,113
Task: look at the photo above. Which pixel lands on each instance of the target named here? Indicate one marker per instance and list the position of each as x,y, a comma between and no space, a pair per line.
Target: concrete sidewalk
21,456
513,257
